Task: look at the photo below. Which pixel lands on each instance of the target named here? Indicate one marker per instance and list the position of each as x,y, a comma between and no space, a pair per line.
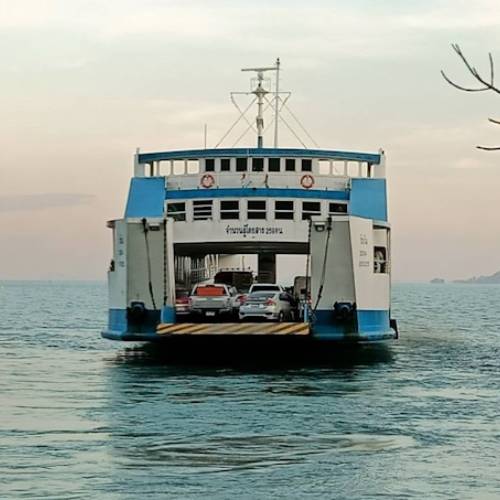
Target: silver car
271,306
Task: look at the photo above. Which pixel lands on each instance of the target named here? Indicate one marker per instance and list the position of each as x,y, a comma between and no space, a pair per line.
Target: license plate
210,313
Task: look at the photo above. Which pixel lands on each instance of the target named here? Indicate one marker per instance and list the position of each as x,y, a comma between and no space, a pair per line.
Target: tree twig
474,72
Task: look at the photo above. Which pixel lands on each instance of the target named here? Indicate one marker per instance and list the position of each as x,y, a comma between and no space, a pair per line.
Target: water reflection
185,418
259,356
86,418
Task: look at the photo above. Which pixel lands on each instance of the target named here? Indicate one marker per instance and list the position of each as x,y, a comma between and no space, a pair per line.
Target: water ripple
86,418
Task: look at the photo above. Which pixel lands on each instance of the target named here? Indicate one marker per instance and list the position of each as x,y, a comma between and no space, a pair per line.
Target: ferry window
310,208
363,169
177,211
306,165
274,165
338,168
178,167
241,164
290,165
202,209
283,210
229,210
353,169
324,167
225,165
256,209
165,168
193,166
209,165
337,208
257,164
379,260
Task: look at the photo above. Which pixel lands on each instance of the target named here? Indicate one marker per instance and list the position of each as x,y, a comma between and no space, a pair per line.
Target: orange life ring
307,181
207,181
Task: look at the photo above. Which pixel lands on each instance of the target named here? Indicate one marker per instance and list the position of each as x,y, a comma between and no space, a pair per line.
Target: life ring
207,181
307,181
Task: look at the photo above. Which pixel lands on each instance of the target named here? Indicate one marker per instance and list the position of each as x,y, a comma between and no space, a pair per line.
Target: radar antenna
260,92
277,103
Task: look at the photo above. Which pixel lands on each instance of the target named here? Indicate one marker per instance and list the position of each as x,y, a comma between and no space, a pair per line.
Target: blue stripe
255,192
325,325
168,314
259,153
146,197
120,328
373,321
117,320
368,199
130,336
368,325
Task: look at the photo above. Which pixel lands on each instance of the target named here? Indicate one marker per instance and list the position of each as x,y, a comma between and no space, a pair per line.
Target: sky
85,82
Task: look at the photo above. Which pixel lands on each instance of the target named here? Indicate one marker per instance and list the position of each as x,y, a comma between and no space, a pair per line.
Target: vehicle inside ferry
270,281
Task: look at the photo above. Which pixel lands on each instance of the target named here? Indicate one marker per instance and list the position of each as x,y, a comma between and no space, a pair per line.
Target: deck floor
286,328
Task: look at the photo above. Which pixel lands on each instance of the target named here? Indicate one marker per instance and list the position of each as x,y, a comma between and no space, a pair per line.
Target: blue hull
330,338
375,326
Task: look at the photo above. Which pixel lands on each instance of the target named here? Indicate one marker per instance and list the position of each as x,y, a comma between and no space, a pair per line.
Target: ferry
194,214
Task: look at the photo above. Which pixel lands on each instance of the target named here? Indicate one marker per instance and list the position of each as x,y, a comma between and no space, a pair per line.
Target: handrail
194,154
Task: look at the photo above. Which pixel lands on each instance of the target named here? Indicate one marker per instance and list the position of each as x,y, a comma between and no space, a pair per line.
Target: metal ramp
257,329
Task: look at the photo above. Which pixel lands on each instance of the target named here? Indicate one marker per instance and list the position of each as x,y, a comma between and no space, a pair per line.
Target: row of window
343,168
257,164
254,209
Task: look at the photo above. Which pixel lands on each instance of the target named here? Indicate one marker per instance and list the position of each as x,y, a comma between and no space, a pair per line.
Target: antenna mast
276,102
260,93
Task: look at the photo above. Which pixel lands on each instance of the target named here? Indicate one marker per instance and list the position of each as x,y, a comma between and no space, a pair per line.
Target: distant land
493,279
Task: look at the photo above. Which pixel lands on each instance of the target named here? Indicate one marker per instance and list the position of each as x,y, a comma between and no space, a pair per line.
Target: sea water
82,417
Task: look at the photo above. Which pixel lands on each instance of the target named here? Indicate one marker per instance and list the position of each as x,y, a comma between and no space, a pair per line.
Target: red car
182,306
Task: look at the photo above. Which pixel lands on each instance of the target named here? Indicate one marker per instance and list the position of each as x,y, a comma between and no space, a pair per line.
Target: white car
268,305
265,287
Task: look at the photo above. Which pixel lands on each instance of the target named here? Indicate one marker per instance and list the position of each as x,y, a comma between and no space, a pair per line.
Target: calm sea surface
81,417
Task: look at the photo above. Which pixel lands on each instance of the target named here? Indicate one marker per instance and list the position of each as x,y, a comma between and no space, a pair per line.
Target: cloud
344,27
43,201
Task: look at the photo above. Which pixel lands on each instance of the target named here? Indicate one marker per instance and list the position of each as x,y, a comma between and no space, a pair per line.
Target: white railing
173,169
214,180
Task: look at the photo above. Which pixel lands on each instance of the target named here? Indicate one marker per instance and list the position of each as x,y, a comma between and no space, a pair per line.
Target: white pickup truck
214,300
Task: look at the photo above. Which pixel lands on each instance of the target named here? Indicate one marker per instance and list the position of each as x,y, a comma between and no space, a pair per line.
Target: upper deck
259,168
247,195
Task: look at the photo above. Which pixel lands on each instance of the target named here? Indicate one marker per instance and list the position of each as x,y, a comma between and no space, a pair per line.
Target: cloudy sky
85,82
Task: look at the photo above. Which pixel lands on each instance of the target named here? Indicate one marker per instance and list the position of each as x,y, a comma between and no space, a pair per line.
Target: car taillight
242,299
182,300
270,302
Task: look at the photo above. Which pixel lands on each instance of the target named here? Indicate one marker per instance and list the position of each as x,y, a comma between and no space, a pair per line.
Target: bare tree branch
474,72
492,71
486,85
459,87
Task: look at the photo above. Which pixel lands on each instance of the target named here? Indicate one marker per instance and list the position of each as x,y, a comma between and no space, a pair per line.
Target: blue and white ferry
189,212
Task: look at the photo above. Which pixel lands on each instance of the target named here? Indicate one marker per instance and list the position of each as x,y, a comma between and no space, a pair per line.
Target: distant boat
438,281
